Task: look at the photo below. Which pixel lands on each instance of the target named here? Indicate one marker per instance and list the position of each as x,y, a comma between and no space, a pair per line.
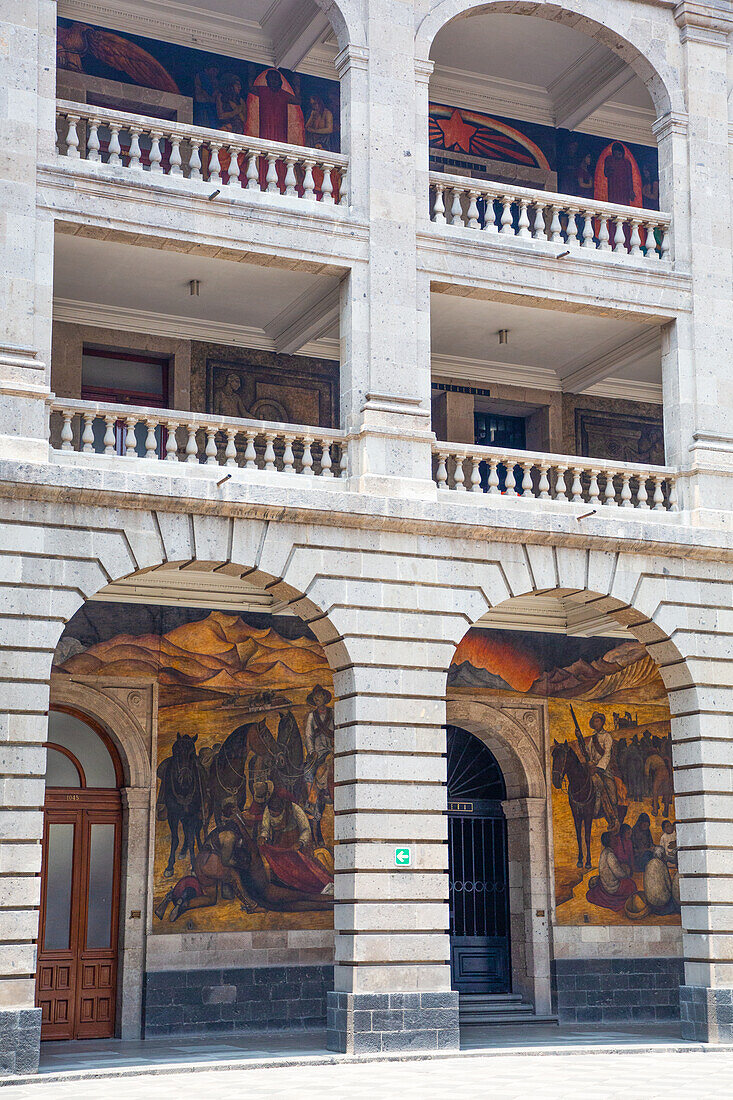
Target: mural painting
609,766
244,803
240,97
583,164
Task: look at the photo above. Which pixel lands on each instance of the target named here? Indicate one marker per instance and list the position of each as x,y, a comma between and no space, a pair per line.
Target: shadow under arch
661,80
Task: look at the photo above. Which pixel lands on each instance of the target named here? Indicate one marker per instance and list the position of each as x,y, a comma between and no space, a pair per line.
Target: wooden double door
76,974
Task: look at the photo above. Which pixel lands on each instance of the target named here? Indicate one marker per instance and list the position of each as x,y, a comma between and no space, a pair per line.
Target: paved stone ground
657,1075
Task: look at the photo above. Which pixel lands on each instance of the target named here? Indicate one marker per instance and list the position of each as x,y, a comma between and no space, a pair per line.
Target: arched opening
575,708
76,976
221,699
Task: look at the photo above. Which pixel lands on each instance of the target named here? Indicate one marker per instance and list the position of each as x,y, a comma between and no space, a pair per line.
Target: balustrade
506,211
525,475
231,162
177,437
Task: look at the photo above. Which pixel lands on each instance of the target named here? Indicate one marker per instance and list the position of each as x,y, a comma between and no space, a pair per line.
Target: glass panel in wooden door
97,974
57,962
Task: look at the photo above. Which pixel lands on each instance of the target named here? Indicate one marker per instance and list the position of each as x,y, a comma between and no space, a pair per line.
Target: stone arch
628,38
507,733
346,21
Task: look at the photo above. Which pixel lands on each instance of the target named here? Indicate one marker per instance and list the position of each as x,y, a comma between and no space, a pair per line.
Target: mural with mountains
609,768
244,821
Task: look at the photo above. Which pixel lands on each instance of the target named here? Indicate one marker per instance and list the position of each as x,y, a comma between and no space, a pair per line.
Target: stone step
499,1008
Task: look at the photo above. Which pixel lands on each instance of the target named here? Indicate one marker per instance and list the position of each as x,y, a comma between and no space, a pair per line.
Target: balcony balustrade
528,476
149,436
537,217
234,163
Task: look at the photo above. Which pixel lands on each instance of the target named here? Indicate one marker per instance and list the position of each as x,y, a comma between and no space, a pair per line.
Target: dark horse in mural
583,796
181,797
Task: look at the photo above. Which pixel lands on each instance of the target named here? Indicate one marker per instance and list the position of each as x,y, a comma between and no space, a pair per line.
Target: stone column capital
351,57
533,807
707,21
423,70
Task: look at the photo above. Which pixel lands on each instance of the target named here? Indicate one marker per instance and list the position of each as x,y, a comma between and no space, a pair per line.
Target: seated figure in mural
285,841
613,884
319,124
642,842
658,885
668,843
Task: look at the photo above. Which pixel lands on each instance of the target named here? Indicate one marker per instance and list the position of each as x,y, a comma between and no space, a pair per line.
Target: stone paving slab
697,1073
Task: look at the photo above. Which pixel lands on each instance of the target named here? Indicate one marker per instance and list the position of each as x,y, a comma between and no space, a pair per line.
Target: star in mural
457,134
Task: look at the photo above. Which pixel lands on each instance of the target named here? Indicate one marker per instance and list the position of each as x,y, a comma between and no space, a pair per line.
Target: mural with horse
244,800
610,772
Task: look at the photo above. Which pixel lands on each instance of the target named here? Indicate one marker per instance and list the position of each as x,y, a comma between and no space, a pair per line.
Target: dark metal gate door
479,896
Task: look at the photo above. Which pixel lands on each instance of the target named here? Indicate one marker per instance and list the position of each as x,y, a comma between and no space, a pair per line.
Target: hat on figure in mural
637,907
318,697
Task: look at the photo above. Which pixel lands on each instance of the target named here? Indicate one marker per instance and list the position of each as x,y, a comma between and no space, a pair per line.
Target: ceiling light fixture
503,335
194,287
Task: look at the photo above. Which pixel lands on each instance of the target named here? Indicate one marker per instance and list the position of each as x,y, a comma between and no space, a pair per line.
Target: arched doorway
478,868
76,972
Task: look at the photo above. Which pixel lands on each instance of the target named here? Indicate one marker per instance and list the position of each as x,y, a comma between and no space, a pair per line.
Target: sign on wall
244,770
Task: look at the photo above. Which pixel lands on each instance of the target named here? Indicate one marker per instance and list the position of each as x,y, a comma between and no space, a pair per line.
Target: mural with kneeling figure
244,769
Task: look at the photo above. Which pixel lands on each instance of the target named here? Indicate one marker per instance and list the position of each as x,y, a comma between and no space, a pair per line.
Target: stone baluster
538,225
651,241
439,205
87,437
456,210
67,434
441,472
493,476
458,475
230,452
175,157
327,185
109,434
603,235
253,171
151,443
593,490
211,446
571,233
214,164
664,247
635,239
587,230
658,498
271,184
130,437
194,160
135,154
490,225
155,155
250,451
326,462
556,226
306,462
475,477
507,229
114,147
269,455
233,170
544,482
619,238
290,179
561,486
171,443
472,213
626,501
309,190
288,456
344,463
641,493
344,187
527,486
523,223
93,139
609,493
72,137
576,488
192,449
509,482
672,494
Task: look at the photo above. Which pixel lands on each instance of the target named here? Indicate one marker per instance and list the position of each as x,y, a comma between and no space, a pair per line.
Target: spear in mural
608,807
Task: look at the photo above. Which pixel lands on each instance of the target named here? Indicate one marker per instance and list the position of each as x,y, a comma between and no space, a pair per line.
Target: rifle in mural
608,807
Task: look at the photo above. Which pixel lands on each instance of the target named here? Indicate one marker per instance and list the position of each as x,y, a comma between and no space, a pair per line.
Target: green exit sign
403,857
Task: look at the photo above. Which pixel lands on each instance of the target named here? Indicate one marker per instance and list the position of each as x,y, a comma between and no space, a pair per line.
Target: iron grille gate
479,909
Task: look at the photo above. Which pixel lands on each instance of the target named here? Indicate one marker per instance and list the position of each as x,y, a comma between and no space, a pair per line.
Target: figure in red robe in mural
619,176
274,112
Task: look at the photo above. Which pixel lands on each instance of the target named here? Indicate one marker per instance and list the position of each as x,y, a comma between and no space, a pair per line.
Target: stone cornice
707,21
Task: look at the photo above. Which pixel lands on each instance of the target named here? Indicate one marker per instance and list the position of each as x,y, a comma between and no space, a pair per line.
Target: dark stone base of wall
199,1001
20,1040
362,1023
615,990
706,1014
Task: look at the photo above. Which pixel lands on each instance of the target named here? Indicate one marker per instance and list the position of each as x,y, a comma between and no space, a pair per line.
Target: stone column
698,348
133,915
529,899
392,974
385,371
27,110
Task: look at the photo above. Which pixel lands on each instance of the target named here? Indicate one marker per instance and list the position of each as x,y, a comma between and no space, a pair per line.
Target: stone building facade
357,528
